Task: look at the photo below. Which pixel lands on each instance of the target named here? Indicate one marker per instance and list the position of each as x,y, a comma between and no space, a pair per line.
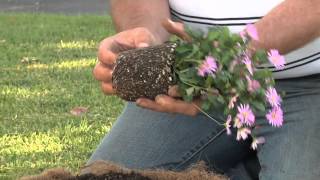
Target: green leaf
209,82
195,34
183,49
259,106
195,49
241,85
206,46
187,98
260,92
260,57
262,74
236,38
212,98
189,76
220,99
190,91
205,105
212,35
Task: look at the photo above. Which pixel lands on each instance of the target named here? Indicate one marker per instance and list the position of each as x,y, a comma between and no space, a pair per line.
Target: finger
118,46
167,104
110,47
107,88
174,91
176,106
102,73
105,55
176,28
149,104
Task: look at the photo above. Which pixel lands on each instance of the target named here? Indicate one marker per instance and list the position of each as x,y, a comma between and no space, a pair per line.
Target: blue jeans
144,139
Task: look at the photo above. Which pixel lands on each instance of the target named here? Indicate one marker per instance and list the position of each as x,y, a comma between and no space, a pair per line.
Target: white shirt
201,14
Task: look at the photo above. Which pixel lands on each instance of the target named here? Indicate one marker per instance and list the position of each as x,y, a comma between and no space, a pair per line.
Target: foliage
221,68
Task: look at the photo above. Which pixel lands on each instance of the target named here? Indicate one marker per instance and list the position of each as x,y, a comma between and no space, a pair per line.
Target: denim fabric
144,139
293,151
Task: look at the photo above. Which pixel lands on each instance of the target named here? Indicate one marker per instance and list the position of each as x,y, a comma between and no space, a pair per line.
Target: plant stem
206,114
191,60
192,85
215,91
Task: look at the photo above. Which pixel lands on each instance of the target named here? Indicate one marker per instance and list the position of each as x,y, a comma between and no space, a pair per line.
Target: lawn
45,71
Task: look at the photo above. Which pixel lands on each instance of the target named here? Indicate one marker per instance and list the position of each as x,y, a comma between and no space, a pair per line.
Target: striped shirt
201,14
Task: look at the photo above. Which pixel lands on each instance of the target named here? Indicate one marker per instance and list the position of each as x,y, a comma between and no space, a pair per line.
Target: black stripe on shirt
293,62
216,19
307,62
184,16
208,23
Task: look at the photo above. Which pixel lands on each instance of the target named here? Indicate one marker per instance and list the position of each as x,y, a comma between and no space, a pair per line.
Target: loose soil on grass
101,170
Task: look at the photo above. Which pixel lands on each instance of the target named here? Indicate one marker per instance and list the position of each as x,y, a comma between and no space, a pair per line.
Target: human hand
111,46
172,103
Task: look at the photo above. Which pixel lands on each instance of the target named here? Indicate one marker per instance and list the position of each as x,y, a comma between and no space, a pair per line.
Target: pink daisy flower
252,32
228,124
276,59
275,117
247,62
209,66
245,115
273,97
243,133
253,85
257,141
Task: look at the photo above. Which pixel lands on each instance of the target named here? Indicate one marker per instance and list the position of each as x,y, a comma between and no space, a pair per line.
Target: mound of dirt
101,170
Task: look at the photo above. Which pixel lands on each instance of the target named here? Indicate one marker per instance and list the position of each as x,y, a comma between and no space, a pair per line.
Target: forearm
127,14
290,25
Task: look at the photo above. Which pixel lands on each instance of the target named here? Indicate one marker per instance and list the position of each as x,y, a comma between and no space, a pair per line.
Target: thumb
177,29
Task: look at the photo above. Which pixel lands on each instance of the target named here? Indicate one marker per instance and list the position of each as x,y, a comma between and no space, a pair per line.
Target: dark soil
145,72
101,170
113,176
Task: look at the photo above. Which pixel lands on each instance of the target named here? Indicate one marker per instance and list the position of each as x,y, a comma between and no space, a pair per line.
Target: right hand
111,46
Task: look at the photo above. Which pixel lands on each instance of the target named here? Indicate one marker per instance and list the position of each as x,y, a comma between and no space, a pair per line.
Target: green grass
45,71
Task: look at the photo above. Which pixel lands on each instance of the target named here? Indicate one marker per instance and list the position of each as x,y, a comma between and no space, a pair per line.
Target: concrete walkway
55,6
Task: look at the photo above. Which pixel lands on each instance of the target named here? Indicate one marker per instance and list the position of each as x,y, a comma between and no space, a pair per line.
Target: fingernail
170,21
143,45
159,99
138,101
